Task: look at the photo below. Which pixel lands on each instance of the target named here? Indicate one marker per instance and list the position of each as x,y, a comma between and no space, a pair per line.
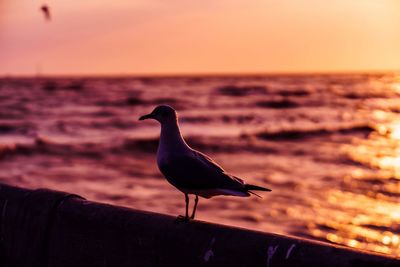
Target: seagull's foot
182,218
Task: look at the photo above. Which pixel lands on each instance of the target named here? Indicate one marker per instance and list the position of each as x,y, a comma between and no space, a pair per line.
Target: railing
49,228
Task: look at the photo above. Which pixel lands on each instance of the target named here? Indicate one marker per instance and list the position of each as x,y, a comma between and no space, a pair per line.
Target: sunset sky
96,37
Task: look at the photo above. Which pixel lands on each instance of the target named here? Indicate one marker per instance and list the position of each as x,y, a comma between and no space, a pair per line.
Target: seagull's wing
195,171
207,160
211,163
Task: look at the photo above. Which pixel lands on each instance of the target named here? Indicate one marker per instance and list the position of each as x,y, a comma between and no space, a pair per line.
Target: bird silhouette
46,12
191,171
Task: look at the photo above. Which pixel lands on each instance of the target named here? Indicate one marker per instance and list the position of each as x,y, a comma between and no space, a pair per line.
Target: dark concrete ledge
49,228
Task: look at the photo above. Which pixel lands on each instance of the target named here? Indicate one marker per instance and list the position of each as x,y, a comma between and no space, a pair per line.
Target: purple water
327,145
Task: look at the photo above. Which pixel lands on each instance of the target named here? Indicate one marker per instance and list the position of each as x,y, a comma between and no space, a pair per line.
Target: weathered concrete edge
65,230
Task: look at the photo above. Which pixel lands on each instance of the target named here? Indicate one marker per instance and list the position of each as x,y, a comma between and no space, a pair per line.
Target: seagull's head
162,113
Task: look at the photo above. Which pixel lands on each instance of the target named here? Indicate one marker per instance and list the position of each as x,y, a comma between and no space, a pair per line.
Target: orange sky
209,36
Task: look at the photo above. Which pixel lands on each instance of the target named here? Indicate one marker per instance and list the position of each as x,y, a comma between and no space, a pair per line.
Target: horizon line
196,74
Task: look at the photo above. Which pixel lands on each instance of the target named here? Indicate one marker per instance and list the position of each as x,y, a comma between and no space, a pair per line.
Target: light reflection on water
372,217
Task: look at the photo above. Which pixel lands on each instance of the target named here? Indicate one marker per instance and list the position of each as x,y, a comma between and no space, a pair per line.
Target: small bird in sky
46,12
191,171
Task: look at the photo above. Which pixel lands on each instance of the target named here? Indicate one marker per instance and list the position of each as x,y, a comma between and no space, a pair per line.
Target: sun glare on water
374,188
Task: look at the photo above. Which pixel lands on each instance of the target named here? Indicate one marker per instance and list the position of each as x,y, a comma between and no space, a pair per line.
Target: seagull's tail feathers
249,187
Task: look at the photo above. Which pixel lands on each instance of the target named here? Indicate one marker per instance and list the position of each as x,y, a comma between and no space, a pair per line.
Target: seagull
46,11
189,170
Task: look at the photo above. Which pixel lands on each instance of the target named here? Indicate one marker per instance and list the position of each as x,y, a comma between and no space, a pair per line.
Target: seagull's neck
171,138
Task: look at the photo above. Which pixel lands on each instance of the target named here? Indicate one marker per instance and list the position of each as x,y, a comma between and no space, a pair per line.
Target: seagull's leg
196,200
187,206
186,217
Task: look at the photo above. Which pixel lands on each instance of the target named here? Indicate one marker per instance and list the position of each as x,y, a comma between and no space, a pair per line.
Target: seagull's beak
145,117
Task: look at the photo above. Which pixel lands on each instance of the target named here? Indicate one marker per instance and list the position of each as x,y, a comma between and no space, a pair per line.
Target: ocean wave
128,101
16,127
44,146
67,85
15,149
137,101
196,119
297,92
364,94
60,84
285,103
112,122
294,134
144,145
7,128
220,118
233,90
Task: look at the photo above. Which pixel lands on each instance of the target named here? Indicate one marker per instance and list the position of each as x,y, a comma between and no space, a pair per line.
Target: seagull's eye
157,112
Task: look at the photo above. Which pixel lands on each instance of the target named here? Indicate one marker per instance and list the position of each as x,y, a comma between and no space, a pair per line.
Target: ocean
327,145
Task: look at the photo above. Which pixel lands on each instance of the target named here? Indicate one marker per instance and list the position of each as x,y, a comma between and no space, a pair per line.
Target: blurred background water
327,145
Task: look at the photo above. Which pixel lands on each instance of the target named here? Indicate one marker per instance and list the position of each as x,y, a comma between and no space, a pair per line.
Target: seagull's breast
162,158
167,158
167,165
